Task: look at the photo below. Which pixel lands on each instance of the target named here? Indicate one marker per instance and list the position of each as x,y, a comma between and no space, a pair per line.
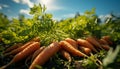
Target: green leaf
111,56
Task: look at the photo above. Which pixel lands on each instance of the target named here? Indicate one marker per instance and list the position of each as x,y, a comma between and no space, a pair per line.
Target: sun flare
46,2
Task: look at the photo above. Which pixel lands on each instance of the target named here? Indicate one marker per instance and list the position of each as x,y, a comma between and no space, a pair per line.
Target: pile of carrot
67,47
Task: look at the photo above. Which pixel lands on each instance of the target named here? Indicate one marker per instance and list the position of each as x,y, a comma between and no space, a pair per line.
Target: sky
60,9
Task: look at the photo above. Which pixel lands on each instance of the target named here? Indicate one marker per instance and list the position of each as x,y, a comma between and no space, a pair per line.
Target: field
104,36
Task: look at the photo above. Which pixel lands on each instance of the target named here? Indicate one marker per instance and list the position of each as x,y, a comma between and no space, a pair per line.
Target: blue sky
60,8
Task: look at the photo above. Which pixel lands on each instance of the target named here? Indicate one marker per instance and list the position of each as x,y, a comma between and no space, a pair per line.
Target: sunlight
46,2
50,4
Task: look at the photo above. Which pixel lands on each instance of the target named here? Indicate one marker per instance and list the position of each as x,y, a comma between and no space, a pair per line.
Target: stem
5,66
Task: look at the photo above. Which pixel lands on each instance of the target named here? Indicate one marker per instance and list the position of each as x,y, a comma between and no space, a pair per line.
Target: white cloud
28,2
101,16
57,18
69,15
24,11
104,16
16,1
50,4
64,16
3,6
108,15
0,7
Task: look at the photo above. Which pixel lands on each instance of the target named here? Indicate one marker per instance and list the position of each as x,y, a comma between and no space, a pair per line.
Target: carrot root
72,42
93,41
103,41
45,54
106,47
66,55
37,52
12,47
108,39
85,43
85,50
36,39
18,49
23,54
68,47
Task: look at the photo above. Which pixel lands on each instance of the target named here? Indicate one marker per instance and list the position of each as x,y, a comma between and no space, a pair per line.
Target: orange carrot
19,49
23,54
36,39
93,41
108,39
45,54
12,47
72,42
66,55
37,52
85,43
106,47
103,42
85,50
68,47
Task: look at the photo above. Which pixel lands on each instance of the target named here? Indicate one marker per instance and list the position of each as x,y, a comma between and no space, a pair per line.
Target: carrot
108,39
66,55
36,39
12,47
72,42
68,47
93,41
85,43
106,47
103,42
23,54
15,51
37,52
45,54
85,50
